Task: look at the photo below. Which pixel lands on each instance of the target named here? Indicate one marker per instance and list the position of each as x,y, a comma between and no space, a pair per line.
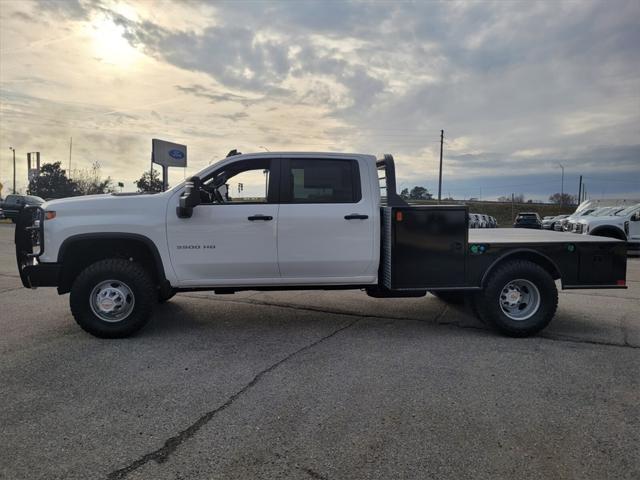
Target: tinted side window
323,181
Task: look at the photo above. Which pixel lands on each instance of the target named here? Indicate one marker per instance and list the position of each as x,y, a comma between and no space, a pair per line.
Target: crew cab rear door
326,221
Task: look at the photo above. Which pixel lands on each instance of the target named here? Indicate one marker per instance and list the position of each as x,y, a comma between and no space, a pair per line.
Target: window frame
286,192
273,192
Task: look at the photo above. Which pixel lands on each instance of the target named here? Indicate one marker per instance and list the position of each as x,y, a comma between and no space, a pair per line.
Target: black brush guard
29,240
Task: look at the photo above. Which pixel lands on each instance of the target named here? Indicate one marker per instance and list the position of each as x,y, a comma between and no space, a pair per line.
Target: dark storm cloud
236,56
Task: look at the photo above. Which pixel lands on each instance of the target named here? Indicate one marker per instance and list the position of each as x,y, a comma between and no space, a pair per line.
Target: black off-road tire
487,301
134,276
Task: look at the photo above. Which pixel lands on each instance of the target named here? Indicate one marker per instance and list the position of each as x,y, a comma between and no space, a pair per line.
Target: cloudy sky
518,87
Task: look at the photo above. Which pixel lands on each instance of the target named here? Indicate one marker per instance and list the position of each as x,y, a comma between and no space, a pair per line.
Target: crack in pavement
437,318
312,473
570,339
308,470
593,294
7,290
310,308
171,444
9,275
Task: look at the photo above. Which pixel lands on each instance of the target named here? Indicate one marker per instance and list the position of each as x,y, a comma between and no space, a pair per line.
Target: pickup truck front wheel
520,299
112,298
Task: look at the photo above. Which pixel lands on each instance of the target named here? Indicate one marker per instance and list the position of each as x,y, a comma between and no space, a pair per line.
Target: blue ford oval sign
177,154
168,154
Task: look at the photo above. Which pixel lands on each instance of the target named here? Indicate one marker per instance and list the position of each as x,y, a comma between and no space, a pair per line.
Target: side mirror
190,198
635,217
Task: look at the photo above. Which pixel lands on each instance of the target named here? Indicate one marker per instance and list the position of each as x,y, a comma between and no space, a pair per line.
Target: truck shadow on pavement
202,314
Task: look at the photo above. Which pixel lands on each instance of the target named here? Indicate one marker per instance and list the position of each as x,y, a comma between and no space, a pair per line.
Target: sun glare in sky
109,44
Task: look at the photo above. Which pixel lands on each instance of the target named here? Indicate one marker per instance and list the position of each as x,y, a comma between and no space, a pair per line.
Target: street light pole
561,185
14,169
440,176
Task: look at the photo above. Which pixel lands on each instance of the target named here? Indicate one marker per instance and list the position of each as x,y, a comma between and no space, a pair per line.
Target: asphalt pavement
318,385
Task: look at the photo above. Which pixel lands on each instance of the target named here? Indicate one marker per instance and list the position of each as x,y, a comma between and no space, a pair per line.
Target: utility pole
580,191
512,208
70,148
440,179
14,169
561,185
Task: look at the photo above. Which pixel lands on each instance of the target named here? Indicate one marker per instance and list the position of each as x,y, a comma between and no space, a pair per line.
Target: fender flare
612,228
116,236
528,252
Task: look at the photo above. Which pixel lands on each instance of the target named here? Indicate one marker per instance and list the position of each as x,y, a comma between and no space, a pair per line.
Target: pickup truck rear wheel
112,298
520,299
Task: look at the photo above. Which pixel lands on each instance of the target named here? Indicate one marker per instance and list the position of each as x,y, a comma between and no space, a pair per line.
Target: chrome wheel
519,299
112,300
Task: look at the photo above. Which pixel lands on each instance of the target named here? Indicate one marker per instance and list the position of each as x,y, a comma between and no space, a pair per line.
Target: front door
231,237
634,227
325,226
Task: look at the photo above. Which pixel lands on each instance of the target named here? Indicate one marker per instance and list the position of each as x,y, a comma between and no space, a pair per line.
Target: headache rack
387,168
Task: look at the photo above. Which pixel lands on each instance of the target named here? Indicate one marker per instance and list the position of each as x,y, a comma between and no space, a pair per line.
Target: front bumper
40,275
29,240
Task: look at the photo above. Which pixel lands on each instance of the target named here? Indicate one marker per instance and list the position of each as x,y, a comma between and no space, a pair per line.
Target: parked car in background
477,221
481,220
528,220
549,223
563,224
13,205
623,224
575,225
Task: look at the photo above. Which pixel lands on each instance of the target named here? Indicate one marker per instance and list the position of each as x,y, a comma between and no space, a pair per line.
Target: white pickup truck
314,221
621,223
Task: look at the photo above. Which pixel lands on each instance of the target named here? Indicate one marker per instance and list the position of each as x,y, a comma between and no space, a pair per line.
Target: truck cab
278,219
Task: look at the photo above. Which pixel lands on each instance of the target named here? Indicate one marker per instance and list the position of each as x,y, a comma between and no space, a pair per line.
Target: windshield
601,211
627,211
